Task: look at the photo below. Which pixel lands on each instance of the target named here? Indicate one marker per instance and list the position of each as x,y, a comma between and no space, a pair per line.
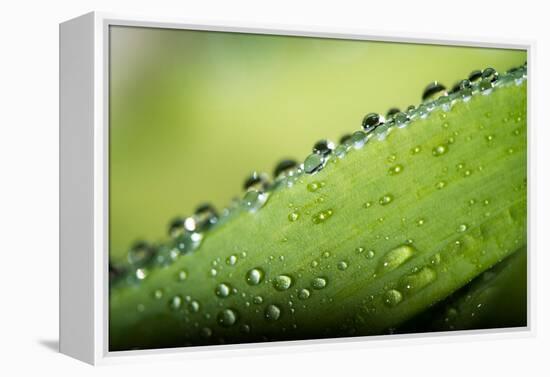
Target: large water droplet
401,119
194,306
358,139
231,260
255,276
371,121
489,74
314,163
391,112
319,283
282,282
256,181
227,317
205,217
303,294
254,200
175,302
395,258
416,281
272,312
475,76
284,168
342,265
392,297
323,147
223,290
433,91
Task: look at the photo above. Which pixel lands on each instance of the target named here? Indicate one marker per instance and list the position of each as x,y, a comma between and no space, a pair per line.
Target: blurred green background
192,113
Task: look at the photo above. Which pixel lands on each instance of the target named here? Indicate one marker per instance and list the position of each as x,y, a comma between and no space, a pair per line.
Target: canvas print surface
268,187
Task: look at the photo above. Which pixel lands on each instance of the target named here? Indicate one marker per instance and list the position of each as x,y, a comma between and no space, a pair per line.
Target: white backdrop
29,186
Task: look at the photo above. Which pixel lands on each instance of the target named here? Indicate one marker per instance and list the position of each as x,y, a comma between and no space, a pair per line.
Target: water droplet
371,121
422,111
485,86
256,181
314,163
231,260
467,173
489,74
272,312
284,168
303,294
360,250
254,200
391,112
392,297
227,317
358,139
436,259
441,184
342,266
322,216
213,272
140,253
158,293
439,150
489,138
386,199
433,91
175,302
416,149
194,306
223,290
258,300
396,169
475,76
205,217
395,258
293,216
323,147
416,281
255,276
176,227
345,138
245,328
206,332
370,254
341,150
462,228
314,186
141,273
282,282
401,119
367,204
420,222
319,283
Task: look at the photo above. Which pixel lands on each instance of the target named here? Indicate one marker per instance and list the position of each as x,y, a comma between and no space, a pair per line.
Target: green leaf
366,244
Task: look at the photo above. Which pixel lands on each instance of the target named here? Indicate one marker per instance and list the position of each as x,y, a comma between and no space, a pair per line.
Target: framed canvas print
224,187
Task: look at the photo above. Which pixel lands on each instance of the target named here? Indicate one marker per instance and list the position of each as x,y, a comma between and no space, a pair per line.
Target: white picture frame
84,74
